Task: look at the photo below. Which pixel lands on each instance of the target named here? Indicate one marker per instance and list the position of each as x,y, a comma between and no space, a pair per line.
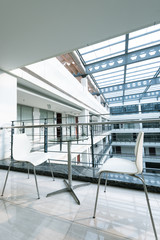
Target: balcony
88,155
123,215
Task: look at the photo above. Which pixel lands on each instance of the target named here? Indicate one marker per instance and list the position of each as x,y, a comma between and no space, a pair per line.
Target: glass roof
103,50
125,65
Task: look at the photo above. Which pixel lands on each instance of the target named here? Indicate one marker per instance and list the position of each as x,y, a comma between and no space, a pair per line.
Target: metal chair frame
34,170
139,171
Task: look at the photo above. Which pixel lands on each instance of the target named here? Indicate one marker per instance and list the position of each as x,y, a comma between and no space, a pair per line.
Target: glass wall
150,107
129,109
147,107
45,114
25,114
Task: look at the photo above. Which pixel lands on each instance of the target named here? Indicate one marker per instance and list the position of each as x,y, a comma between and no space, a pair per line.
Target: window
118,149
150,107
134,137
152,151
124,109
113,137
116,126
152,167
151,125
152,137
45,114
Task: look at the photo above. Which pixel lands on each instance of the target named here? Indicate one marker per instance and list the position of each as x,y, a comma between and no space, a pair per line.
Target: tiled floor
121,213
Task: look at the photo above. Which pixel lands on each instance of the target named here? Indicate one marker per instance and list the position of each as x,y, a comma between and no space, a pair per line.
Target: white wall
62,84
8,99
8,111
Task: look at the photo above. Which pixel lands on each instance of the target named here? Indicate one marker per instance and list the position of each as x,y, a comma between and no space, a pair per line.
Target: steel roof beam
150,83
122,60
133,97
130,85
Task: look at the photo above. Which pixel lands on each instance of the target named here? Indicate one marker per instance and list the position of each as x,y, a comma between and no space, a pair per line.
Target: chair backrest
139,152
21,146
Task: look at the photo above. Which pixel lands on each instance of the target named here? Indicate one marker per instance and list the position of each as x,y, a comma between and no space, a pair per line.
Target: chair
124,166
22,153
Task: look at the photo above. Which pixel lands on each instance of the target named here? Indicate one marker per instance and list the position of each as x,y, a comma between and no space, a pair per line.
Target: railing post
45,136
77,133
23,129
82,130
92,146
60,138
12,132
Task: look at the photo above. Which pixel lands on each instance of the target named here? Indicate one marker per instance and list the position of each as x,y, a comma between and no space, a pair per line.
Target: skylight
132,58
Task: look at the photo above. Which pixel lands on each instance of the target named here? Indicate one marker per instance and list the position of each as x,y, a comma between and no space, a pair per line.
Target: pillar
8,110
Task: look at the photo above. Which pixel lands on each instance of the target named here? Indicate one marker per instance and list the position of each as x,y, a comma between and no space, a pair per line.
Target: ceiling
35,30
29,98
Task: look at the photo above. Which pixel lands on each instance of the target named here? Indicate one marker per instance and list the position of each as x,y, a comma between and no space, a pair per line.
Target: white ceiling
35,30
28,98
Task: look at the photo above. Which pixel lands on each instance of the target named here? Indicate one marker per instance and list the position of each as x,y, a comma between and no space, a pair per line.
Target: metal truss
123,82
130,85
122,60
150,84
132,97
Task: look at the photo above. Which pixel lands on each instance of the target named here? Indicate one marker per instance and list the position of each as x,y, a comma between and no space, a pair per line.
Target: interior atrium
81,82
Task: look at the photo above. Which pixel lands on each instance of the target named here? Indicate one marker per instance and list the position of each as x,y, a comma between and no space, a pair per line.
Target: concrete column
84,82
100,126
8,99
84,118
99,99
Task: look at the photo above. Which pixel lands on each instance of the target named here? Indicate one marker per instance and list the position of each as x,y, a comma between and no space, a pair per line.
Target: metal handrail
83,124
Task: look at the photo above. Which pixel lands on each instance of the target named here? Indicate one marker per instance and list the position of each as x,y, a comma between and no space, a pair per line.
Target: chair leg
36,182
105,182
99,180
149,207
51,169
6,179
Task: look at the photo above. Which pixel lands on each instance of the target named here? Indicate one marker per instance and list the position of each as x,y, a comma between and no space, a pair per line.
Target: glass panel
113,94
103,50
50,118
142,70
144,38
25,114
135,91
50,121
124,109
155,88
144,30
43,115
110,77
